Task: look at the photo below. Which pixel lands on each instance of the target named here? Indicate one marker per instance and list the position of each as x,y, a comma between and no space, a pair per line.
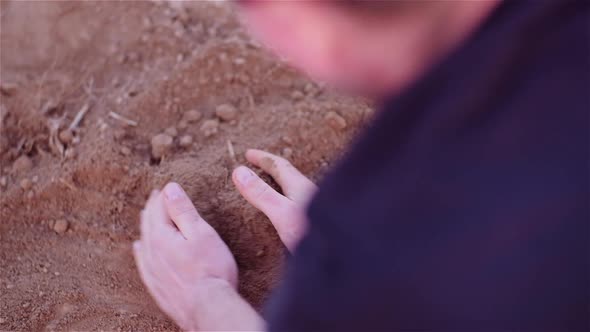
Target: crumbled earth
86,88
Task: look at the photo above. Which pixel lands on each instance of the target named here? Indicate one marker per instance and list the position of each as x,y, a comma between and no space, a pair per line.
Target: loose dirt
103,101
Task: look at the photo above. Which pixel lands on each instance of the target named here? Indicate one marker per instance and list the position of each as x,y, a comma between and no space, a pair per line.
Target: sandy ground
85,88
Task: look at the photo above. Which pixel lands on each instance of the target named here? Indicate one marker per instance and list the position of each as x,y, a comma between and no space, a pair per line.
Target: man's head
374,48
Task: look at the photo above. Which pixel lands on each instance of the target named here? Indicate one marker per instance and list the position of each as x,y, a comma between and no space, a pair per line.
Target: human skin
186,266
182,261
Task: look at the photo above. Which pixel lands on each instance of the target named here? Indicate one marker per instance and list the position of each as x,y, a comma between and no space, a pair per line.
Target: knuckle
182,207
260,189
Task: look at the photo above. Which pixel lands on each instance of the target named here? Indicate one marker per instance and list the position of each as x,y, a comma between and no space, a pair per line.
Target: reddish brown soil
69,213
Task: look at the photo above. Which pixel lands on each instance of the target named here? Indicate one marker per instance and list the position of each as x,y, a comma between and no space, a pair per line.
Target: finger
145,272
161,228
144,224
295,185
259,193
181,209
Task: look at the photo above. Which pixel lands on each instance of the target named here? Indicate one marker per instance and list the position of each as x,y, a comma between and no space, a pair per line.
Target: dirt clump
226,112
185,141
60,226
336,121
161,145
22,165
192,116
210,127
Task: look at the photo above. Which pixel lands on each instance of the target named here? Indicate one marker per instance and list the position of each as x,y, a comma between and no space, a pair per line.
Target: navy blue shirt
465,206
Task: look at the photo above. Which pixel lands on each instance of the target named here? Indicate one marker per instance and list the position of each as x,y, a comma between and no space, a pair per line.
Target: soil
103,101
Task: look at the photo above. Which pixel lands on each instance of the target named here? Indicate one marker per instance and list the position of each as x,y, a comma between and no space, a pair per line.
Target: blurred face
375,52
330,44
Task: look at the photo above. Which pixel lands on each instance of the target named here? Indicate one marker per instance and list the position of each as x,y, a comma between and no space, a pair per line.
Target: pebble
125,151
60,226
22,165
335,121
26,184
30,195
35,179
161,145
182,124
297,95
186,141
3,181
210,127
239,61
171,131
192,116
8,89
2,320
226,112
66,136
287,140
26,305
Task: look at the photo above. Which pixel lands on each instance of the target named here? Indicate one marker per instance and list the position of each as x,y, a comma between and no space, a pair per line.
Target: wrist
206,295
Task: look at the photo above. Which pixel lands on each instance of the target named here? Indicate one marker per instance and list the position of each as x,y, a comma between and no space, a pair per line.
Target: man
465,206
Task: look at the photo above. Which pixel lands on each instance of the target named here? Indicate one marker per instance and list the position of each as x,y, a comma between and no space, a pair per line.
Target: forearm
219,307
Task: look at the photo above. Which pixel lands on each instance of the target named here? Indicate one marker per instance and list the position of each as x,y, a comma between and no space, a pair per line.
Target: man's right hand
286,212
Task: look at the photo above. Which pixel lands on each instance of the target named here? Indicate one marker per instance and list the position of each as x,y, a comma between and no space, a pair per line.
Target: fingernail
173,191
243,175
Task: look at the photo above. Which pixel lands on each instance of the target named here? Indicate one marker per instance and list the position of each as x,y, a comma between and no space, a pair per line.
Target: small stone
35,179
26,184
2,320
182,124
287,153
26,305
66,136
8,89
10,286
161,145
297,95
125,151
287,140
335,120
3,181
30,195
22,165
56,273
186,141
60,226
259,253
192,116
226,112
171,131
210,127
